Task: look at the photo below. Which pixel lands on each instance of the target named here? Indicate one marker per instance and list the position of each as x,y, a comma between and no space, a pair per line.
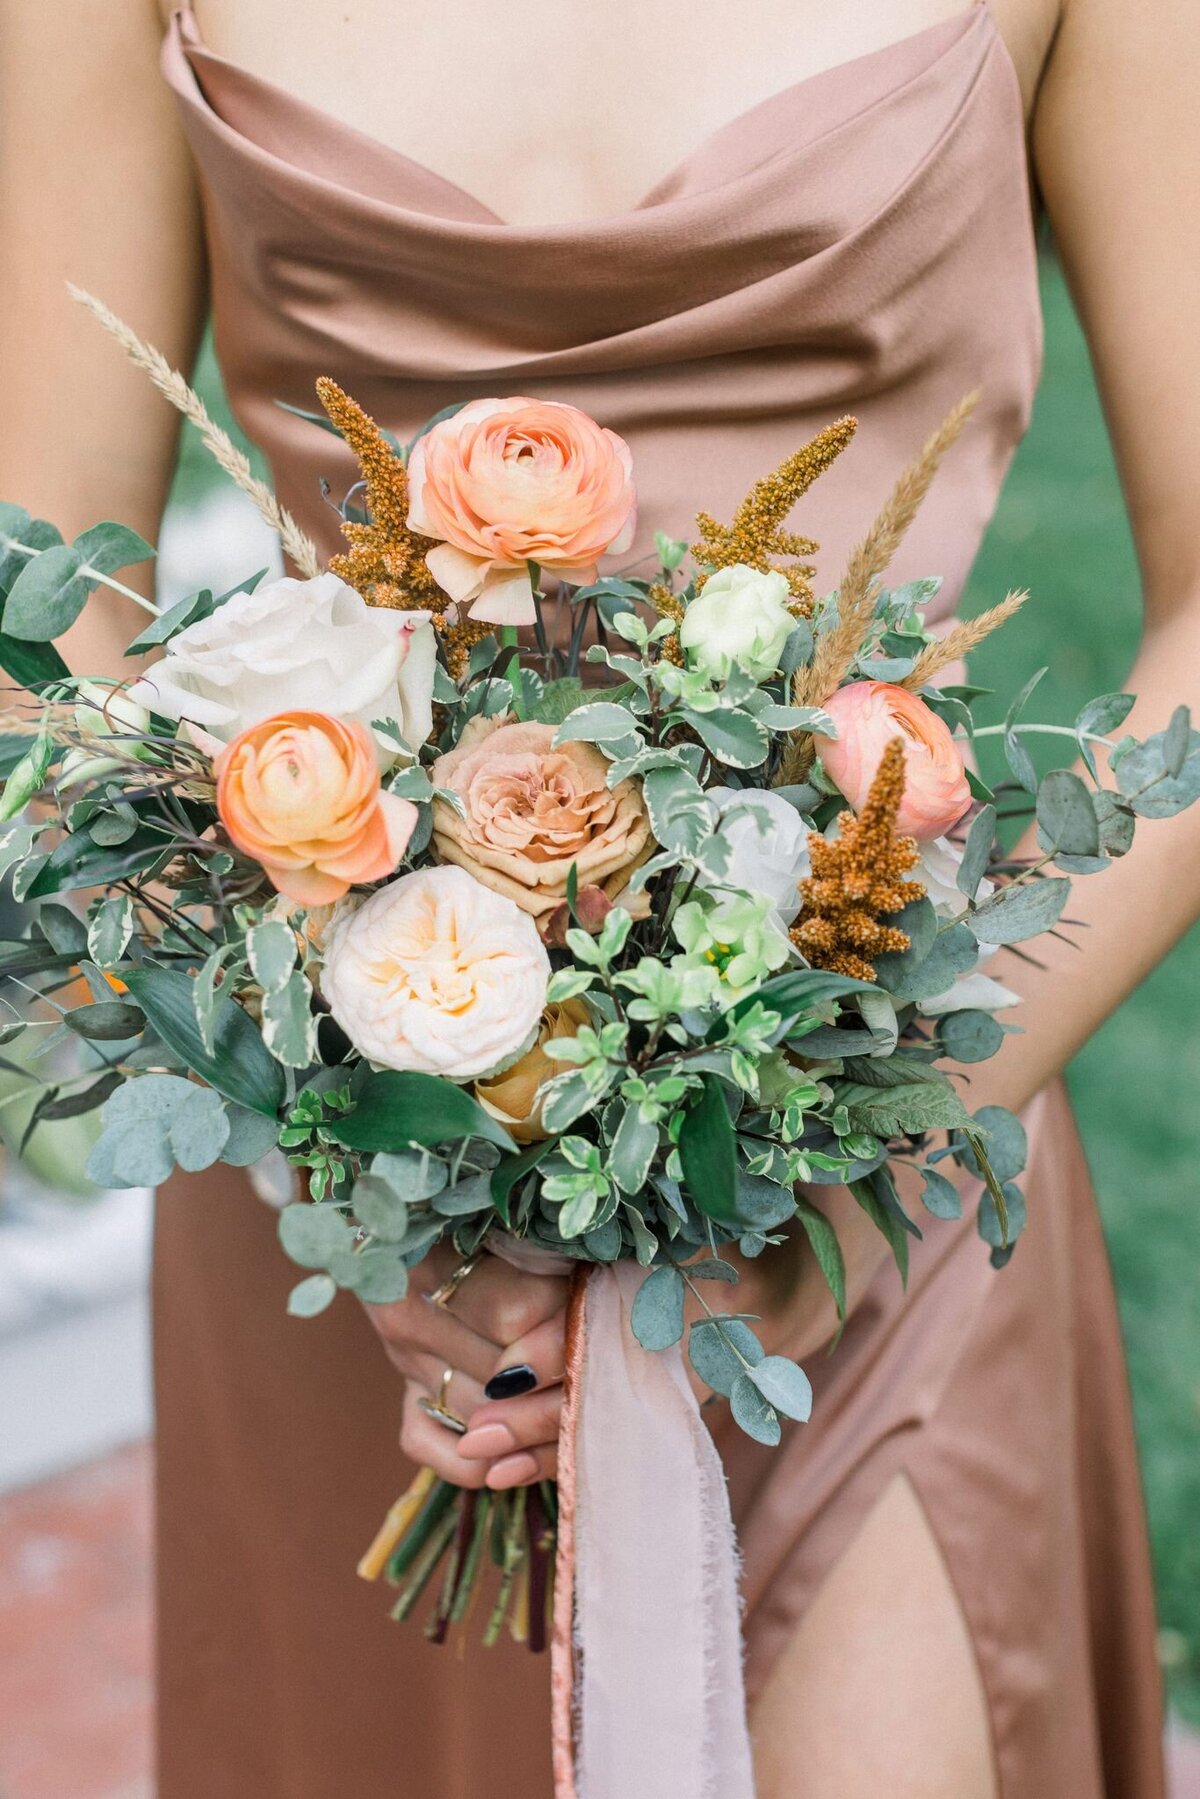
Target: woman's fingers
419,1336
503,1303
535,1360
417,1332
522,1469
430,1444
499,1430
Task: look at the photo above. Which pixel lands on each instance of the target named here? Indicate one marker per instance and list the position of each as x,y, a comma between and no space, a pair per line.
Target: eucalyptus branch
1041,731
718,1318
87,573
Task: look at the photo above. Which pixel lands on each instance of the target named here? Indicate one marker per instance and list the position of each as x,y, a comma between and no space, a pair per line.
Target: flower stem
512,668
1042,730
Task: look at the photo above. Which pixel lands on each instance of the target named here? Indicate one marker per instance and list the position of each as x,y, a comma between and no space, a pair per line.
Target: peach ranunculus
511,1097
300,793
507,482
532,810
868,715
435,973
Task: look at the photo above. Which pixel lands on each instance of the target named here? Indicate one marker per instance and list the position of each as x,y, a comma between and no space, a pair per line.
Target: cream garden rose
504,483
297,645
739,616
436,974
531,811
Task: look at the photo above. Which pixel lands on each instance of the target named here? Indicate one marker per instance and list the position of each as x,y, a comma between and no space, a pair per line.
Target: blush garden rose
504,483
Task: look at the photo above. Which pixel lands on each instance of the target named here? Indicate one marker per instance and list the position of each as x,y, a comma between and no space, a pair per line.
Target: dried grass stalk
960,641
220,445
856,596
836,650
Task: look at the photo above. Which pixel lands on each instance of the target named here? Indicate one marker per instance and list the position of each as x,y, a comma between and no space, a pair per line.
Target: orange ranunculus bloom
299,792
505,483
868,715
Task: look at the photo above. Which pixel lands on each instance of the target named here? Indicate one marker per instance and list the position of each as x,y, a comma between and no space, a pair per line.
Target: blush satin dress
860,242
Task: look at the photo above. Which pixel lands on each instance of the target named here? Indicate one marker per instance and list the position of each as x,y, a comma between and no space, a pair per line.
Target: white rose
297,646
437,974
768,842
739,616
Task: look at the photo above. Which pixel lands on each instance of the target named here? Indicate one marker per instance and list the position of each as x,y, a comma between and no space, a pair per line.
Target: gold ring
439,1411
441,1296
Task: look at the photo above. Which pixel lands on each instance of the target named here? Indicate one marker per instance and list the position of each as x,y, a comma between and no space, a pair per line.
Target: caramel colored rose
532,810
511,1097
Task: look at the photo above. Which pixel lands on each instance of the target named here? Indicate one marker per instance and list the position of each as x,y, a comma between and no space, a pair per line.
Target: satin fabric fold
795,266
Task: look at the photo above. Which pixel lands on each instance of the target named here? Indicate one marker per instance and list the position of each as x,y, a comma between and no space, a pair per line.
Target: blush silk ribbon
648,1700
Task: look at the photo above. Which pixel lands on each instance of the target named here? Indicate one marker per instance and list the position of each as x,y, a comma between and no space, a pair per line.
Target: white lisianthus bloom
740,616
768,844
974,991
437,974
297,646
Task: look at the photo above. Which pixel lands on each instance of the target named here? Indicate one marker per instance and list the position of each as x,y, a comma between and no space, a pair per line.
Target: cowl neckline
773,128
859,242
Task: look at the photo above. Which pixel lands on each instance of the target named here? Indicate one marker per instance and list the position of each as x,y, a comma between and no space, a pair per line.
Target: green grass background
1061,531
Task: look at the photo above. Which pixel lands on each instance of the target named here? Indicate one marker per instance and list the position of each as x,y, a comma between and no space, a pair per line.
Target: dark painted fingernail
512,1381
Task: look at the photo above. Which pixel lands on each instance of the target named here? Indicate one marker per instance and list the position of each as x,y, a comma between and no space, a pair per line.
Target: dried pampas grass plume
171,384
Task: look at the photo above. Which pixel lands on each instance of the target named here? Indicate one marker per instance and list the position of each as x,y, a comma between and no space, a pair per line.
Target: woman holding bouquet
713,239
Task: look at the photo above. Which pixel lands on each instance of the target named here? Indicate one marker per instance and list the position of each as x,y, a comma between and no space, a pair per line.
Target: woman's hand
502,1336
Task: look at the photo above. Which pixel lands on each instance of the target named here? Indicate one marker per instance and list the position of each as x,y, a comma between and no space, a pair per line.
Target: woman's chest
552,110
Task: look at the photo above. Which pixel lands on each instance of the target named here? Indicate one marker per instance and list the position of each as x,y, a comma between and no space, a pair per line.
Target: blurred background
75,1411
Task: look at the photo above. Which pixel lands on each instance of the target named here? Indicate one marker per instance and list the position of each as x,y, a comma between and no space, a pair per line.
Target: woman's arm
95,188
1117,155
1117,148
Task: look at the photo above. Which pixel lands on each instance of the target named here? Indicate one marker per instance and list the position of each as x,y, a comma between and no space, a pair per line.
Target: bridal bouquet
617,974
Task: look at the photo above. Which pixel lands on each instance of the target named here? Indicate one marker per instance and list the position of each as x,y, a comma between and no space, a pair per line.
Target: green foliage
910,1109
392,1110
707,1153
755,1413
784,1386
28,775
238,1065
1018,912
970,1036
657,1315
153,1123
